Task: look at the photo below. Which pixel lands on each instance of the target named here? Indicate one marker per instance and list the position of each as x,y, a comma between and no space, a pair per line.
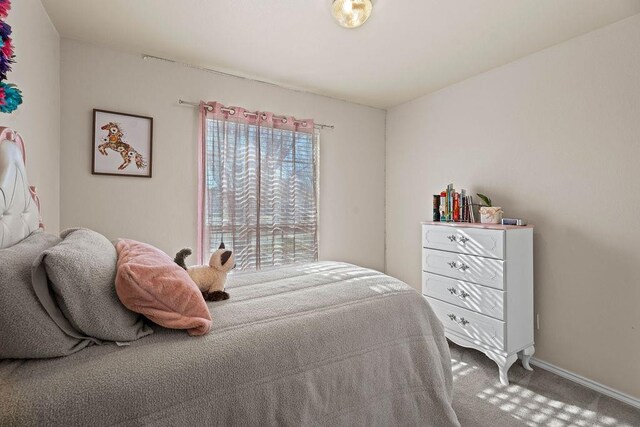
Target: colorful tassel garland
6,49
10,97
5,6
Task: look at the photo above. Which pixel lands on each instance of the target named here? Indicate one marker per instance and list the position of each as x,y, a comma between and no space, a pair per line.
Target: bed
325,343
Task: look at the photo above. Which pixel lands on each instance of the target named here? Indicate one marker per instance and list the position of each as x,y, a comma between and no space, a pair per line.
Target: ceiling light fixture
351,13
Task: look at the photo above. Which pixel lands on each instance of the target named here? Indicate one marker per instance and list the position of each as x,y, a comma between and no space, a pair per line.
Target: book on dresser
478,279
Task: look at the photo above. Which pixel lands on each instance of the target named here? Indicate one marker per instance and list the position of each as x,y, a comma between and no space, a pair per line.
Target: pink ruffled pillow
150,283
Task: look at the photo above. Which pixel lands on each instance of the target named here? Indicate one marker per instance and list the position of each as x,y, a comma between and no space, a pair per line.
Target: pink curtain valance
219,111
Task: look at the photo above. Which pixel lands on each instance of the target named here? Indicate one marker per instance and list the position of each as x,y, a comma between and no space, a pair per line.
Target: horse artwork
114,142
126,136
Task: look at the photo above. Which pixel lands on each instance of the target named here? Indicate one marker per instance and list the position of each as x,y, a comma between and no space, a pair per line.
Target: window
260,192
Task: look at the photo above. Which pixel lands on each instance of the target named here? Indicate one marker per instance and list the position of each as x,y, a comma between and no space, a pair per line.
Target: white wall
554,138
162,210
37,73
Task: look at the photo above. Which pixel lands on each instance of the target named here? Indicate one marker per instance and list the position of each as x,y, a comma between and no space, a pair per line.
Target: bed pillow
149,282
82,271
26,330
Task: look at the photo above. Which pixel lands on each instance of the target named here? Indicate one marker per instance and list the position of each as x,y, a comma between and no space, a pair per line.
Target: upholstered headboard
19,205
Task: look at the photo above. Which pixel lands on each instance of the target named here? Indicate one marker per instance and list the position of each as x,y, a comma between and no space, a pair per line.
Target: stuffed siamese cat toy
210,278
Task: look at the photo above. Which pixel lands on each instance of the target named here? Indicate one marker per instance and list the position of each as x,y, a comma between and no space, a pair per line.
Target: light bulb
351,13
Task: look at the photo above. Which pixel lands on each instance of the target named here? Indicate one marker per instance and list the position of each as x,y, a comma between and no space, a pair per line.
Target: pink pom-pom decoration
5,6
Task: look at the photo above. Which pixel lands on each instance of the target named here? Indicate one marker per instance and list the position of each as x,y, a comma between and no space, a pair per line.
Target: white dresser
479,280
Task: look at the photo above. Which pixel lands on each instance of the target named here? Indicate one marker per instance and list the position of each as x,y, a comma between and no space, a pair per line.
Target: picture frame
122,144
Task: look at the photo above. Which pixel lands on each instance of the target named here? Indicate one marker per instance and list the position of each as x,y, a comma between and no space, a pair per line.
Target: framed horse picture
122,144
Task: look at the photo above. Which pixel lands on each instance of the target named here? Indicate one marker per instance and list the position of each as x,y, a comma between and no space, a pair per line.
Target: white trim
600,388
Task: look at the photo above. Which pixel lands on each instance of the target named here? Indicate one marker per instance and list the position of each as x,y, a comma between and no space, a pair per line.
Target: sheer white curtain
259,186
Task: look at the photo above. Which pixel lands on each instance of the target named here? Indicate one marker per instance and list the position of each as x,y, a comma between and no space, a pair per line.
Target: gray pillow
26,330
81,271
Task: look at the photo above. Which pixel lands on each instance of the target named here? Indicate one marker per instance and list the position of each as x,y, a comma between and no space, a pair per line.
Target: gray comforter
314,344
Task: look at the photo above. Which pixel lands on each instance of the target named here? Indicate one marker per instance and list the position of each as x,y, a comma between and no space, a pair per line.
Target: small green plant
485,199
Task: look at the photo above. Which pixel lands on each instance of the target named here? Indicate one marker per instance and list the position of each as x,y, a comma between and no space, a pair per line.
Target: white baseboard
600,388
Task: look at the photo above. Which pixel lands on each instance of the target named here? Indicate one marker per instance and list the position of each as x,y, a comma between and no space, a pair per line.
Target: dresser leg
503,368
526,356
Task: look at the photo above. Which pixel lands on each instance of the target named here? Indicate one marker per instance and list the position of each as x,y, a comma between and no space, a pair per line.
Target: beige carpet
537,398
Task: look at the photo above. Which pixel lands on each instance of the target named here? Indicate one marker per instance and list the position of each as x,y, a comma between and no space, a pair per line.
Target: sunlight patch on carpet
538,410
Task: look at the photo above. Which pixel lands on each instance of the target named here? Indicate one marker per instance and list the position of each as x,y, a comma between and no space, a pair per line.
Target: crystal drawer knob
462,321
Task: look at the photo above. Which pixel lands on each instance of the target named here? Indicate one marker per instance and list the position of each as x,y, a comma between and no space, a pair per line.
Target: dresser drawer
472,241
469,268
472,326
478,298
